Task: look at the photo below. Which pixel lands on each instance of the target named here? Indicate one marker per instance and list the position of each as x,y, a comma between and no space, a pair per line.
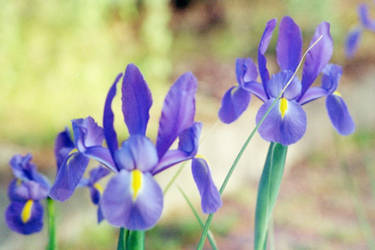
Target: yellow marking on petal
136,183
99,187
18,182
283,106
337,93
199,156
26,211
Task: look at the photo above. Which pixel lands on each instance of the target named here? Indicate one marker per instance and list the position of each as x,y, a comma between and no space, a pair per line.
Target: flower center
26,211
136,182
283,106
98,187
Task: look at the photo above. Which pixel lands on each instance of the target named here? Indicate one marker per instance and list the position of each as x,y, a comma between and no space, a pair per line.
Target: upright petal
246,70
365,18
123,208
278,81
289,44
210,196
233,104
263,45
102,155
178,112
68,177
339,114
137,152
352,42
25,190
285,124
87,133
331,76
22,167
318,57
136,100
25,217
189,139
63,146
108,117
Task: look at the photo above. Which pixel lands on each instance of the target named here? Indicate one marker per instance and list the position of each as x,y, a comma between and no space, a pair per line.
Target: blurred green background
59,58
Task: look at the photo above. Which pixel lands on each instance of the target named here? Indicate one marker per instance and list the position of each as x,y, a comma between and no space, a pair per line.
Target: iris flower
96,189
132,197
286,123
354,36
25,212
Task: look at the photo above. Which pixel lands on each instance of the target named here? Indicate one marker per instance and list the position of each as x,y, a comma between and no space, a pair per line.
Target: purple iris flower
132,198
354,36
96,189
286,123
72,157
25,212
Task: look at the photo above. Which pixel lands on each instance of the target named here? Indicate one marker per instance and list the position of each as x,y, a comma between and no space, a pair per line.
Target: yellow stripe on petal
199,156
136,183
337,93
283,106
98,187
26,211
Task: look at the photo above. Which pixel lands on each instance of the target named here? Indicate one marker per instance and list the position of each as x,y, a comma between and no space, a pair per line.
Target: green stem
122,238
51,225
135,240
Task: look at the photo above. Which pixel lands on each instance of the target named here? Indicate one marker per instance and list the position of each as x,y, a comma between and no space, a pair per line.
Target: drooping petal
178,112
171,158
263,45
108,118
312,94
289,44
364,17
95,195
100,215
285,124
352,42
63,146
256,89
188,141
132,200
318,57
278,81
98,173
68,177
136,100
331,76
101,155
246,70
24,217
87,133
210,196
339,114
233,104
137,152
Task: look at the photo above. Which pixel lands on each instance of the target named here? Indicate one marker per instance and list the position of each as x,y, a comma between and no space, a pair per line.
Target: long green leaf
268,191
51,225
135,240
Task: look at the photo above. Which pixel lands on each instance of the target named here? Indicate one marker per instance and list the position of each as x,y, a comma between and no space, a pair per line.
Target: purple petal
136,100
263,45
101,155
331,77
108,117
189,139
339,115
137,152
352,42
277,83
284,130
87,133
289,44
246,70
122,210
233,104
256,89
95,195
68,177
178,112
312,94
26,190
364,17
171,158
63,146
100,214
15,223
318,57
210,196
98,173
